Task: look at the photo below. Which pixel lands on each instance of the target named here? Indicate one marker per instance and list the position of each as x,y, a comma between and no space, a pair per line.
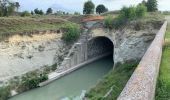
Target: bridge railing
142,84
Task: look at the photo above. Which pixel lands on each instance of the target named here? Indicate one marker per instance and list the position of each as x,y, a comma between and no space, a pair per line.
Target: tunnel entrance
99,46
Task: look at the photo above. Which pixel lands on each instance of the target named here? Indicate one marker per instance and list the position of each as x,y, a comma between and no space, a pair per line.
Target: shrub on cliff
108,21
129,14
71,32
30,81
4,93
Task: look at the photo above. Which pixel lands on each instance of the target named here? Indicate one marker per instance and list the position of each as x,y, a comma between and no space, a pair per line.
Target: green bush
25,13
71,32
141,10
31,81
108,21
132,12
4,93
54,67
43,77
129,14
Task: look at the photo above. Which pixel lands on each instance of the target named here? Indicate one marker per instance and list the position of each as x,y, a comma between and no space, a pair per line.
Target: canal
72,85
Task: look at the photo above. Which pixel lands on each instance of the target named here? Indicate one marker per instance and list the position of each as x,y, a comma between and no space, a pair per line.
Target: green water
70,85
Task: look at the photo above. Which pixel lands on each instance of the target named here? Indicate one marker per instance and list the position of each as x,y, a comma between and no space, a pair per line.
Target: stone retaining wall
141,85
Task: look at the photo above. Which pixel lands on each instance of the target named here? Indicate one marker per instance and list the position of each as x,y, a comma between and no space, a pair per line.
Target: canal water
72,85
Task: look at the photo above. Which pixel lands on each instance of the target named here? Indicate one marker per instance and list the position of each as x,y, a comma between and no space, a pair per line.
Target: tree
17,5
10,9
32,13
101,9
37,11
88,7
6,8
152,5
41,12
49,11
144,2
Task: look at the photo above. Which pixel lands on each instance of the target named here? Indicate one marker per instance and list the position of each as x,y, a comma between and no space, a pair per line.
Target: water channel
72,85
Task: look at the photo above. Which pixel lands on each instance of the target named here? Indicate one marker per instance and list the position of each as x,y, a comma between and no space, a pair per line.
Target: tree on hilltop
88,7
49,11
101,9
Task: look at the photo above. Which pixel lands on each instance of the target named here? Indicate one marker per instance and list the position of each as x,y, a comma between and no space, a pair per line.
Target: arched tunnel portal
99,46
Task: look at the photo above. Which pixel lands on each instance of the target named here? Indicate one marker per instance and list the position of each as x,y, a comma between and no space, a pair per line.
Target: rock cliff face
21,54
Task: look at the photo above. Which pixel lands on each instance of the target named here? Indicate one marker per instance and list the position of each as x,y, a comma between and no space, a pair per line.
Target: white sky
77,5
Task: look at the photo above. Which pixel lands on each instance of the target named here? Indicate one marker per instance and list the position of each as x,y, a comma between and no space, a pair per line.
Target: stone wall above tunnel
129,43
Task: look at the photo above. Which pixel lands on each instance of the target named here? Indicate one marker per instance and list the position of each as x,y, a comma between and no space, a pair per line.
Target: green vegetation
132,12
31,80
116,79
7,7
49,11
166,12
11,26
25,14
4,93
141,11
71,32
126,14
88,7
101,9
108,21
163,82
37,11
152,5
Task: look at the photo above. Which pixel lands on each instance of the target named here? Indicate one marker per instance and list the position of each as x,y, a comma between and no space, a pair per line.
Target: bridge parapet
141,85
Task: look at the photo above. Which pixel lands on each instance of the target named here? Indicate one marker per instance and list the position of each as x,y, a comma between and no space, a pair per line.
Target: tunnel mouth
100,46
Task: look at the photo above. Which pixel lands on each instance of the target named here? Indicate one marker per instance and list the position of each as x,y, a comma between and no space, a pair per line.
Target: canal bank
72,85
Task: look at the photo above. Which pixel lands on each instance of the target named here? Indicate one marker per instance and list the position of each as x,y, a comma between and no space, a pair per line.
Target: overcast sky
77,5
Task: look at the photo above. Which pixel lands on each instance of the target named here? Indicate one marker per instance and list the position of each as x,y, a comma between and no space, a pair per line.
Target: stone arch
100,46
